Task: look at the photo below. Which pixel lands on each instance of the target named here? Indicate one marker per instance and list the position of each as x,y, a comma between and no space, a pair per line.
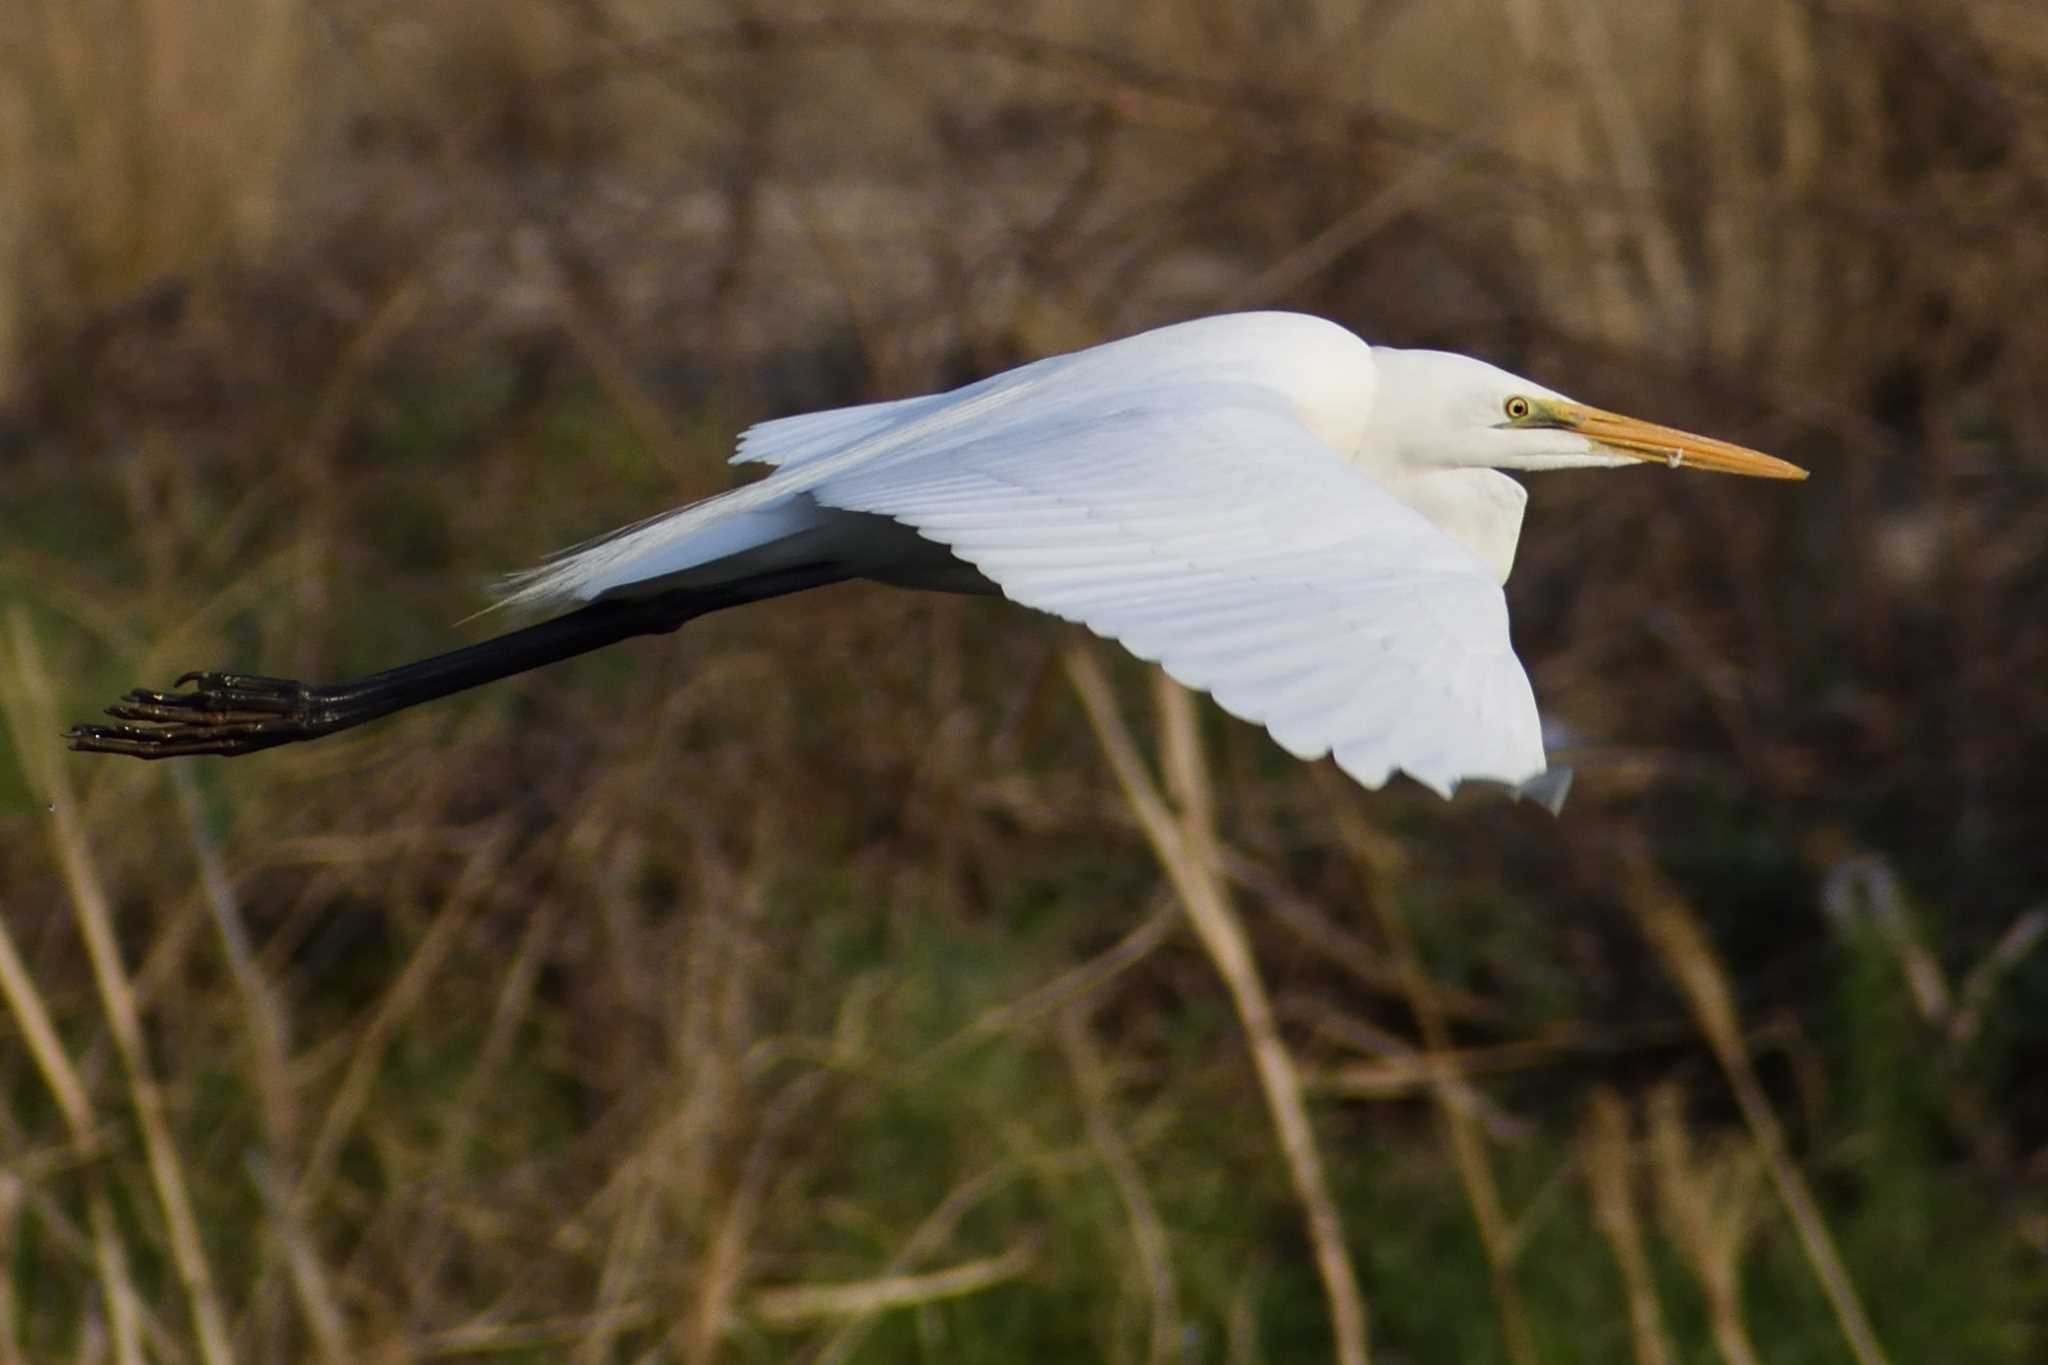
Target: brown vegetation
820,982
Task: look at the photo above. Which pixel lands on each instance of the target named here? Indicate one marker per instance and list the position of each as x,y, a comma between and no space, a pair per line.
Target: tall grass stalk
1670,926
31,715
1377,861
1183,840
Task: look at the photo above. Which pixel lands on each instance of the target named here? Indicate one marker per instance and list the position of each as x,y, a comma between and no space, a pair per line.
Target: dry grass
691,1006
1610,1177
1379,863
1710,1204
30,712
141,142
1183,839
1675,932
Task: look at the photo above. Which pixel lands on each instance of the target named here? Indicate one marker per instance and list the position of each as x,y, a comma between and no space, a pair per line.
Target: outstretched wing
1204,527
1163,491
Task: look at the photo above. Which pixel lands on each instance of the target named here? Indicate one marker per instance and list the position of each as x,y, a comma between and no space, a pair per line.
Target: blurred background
803,986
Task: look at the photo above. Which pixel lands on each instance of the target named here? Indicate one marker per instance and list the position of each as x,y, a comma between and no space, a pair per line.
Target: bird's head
1433,409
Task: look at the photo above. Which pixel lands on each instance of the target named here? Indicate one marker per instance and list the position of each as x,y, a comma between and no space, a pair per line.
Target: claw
174,741
151,695
229,692
209,679
225,713
175,713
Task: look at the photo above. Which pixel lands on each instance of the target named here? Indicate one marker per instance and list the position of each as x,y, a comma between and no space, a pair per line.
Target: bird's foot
223,713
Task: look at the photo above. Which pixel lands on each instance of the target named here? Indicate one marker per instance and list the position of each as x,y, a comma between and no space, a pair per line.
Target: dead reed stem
927,1237
725,1261
1609,1150
269,1037
270,1072
308,1275
1148,1234
117,995
1709,1210
1075,983
800,1304
1378,863
1184,844
46,1050
1668,923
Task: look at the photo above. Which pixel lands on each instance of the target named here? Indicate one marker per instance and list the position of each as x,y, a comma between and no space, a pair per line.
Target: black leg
239,713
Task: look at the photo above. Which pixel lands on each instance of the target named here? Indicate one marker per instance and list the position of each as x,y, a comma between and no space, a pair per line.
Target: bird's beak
1667,445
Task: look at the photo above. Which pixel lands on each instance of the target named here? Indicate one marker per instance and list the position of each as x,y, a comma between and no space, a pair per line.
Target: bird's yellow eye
1518,408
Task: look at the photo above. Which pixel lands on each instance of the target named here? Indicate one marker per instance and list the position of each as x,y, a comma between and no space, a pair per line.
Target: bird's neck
1481,509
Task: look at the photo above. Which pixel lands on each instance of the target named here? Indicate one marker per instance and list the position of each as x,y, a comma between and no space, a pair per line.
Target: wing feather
794,440
1205,527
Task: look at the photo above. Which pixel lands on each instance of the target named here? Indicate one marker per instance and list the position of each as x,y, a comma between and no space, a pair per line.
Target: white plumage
1203,494
1310,529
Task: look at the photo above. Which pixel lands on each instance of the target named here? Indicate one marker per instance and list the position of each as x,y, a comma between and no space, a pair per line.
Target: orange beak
1668,445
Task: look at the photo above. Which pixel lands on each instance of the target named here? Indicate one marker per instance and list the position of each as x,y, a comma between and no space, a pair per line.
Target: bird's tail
1548,788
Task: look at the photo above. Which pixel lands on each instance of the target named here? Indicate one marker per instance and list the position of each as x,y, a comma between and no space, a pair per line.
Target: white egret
1310,529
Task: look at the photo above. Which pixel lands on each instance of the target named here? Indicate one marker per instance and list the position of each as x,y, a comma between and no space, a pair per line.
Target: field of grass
875,977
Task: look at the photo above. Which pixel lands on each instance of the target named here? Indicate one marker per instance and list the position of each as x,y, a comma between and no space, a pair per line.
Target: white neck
1481,509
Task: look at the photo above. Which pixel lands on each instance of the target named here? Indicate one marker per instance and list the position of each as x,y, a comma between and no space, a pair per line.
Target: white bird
1311,529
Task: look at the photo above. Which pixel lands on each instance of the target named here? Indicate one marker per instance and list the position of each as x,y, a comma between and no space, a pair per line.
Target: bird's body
1311,529
1322,374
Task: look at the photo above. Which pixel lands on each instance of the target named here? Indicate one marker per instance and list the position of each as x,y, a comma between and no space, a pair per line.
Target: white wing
796,440
1164,492
1206,529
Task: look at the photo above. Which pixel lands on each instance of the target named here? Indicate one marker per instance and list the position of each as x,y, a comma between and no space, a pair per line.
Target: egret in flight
1312,530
